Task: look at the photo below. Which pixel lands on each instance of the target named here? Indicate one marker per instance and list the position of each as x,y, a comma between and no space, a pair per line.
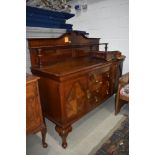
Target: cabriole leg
43,133
63,133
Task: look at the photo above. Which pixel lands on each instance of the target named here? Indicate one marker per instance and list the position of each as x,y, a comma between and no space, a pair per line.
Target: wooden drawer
106,84
98,86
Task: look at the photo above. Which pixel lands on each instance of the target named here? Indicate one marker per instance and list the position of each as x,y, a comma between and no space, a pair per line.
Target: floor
87,133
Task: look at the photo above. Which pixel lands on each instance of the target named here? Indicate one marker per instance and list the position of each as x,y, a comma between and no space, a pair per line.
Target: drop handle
107,92
96,99
100,82
88,94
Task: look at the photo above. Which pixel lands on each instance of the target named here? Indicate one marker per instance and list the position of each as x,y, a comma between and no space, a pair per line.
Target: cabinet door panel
75,97
33,109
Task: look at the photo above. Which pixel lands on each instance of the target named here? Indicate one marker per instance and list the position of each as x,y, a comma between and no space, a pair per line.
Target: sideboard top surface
71,66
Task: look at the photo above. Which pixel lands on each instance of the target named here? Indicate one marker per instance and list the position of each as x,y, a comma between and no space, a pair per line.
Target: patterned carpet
118,143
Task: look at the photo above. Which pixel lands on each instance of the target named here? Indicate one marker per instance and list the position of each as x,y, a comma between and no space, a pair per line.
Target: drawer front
106,91
33,108
98,86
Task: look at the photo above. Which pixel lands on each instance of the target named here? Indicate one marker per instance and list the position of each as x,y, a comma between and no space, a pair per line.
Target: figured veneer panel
34,118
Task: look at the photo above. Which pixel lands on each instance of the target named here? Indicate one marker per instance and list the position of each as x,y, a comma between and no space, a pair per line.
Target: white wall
108,20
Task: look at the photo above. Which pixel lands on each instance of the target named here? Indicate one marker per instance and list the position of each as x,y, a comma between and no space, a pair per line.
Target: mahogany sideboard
75,77
34,118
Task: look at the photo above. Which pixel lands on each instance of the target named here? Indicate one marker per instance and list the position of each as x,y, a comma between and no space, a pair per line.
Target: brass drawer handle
96,99
88,94
107,92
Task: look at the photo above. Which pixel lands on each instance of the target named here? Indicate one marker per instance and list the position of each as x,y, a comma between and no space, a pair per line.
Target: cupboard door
75,97
33,109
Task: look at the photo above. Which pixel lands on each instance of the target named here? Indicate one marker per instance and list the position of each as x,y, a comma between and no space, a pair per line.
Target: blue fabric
55,14
48,24
37,17
31,16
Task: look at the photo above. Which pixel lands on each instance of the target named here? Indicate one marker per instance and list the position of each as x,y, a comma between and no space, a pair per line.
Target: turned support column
106,47
39,55
63,133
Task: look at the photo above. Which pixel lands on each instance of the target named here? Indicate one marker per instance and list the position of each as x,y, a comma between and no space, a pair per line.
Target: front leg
63,133
43,133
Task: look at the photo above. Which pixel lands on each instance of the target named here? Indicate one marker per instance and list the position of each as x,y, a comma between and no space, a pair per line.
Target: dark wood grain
74,80
34,118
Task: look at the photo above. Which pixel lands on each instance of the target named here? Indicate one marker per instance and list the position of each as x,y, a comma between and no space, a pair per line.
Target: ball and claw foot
45,145
63,132
64,145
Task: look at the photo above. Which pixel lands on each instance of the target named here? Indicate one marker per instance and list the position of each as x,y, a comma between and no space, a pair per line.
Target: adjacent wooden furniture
123,81
75,77
34,118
